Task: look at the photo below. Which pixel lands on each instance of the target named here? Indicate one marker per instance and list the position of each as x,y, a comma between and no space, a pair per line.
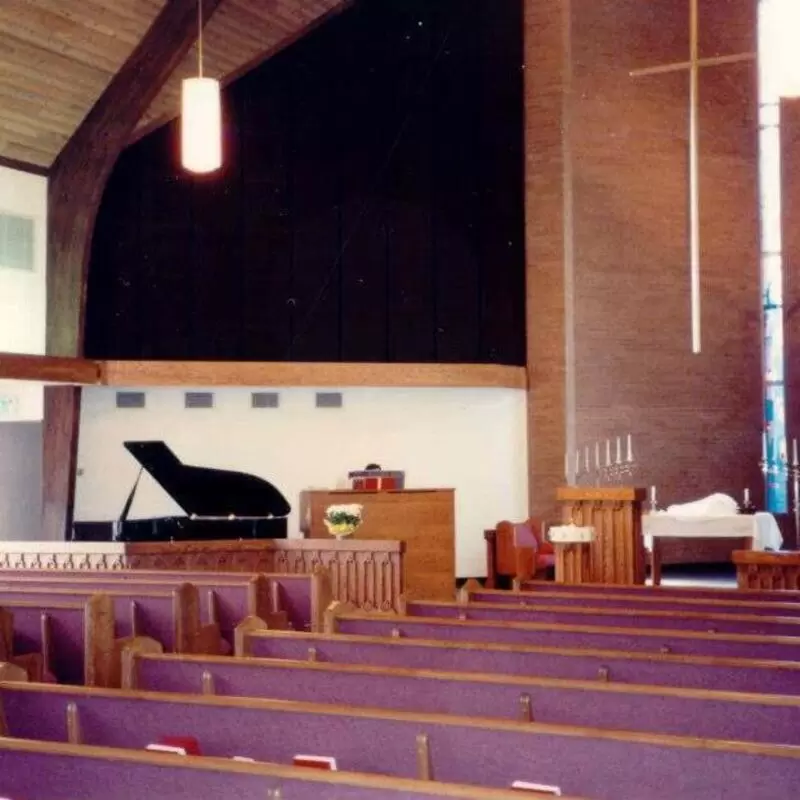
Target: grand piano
219,504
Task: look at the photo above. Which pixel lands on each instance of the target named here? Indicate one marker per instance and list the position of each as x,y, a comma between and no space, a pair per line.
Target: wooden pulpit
615,513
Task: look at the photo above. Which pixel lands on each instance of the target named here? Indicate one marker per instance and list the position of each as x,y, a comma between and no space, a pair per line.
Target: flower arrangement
343,520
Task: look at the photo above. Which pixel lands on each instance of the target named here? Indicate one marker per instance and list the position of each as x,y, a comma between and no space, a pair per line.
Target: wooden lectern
617,552
422,518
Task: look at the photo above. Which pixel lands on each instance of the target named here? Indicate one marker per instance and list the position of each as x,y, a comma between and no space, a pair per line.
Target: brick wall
696,419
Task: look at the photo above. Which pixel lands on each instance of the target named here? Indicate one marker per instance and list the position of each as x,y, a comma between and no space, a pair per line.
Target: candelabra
781,471
608,470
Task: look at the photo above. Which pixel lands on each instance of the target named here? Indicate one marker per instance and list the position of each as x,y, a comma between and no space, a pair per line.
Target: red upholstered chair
517,550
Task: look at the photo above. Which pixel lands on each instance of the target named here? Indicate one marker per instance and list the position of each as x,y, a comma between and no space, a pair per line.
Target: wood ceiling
57,56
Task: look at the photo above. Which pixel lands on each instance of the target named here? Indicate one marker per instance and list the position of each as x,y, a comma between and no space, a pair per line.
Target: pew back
598,763
699,672
677,619
734,594
226,597
169,617
643,600
36,770
731,645
709,714
76,639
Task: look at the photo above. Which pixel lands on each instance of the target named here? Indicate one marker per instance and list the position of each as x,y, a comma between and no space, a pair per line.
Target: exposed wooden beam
77,180
253,63
49,369
24,166
227,373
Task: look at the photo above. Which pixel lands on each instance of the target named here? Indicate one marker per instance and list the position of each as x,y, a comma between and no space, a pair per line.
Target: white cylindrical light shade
201,125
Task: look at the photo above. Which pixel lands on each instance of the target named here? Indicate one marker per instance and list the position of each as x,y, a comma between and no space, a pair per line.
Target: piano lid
207,492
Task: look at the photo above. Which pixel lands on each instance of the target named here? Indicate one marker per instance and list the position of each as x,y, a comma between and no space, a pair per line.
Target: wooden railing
368,574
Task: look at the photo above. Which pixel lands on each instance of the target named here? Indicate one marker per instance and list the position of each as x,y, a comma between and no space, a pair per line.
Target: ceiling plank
50,369
77,181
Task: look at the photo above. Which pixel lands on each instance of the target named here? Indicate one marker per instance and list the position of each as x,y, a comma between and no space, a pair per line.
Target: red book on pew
315,762
188,744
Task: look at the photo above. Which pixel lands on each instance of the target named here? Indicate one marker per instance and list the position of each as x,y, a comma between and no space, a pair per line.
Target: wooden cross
693,67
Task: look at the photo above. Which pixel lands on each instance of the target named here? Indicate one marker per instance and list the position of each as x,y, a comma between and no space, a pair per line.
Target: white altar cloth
761,526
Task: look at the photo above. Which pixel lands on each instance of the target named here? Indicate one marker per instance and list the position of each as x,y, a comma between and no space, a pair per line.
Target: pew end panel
241,644
333,612
99,639
321,597
129,651
11,673
6,634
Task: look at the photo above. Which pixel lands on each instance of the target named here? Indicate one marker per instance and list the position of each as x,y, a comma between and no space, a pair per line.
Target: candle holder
782,471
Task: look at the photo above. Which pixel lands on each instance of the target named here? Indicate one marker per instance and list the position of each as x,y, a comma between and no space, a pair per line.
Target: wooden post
617,552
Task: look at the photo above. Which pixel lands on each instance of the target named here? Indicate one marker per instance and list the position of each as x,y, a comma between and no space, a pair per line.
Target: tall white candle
794,453
586,457
764,446
630,449
619,450
577,463
597,455
747,497
608,452
653,496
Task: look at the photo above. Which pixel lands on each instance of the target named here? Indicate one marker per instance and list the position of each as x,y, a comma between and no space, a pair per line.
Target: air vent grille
130,400
198,400
329,400
264,400
16,242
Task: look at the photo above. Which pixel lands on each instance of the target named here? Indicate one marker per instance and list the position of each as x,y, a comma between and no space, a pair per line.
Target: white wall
20,481
23,294
471,439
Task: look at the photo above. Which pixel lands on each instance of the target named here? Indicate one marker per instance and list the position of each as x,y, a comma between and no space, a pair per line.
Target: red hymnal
315,762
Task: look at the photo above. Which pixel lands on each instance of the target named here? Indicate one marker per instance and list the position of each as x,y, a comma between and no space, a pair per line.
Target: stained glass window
769,120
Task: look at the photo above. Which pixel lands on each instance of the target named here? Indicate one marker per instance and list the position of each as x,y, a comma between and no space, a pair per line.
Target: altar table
673,538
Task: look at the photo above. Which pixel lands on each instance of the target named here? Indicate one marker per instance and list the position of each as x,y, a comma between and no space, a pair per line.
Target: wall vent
198,400
130,400
329,400
264,400
16,242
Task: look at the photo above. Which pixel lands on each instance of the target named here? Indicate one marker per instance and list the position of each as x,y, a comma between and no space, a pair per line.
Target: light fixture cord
200,38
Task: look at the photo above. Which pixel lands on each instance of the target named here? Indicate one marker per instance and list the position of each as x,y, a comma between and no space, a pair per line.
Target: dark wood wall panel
369,209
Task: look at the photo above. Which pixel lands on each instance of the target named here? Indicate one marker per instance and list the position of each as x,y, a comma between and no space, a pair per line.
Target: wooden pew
706,592
472,592
226,597
340,619
75,640
677,619
597,763
688,712
699,672
30,770
171,618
